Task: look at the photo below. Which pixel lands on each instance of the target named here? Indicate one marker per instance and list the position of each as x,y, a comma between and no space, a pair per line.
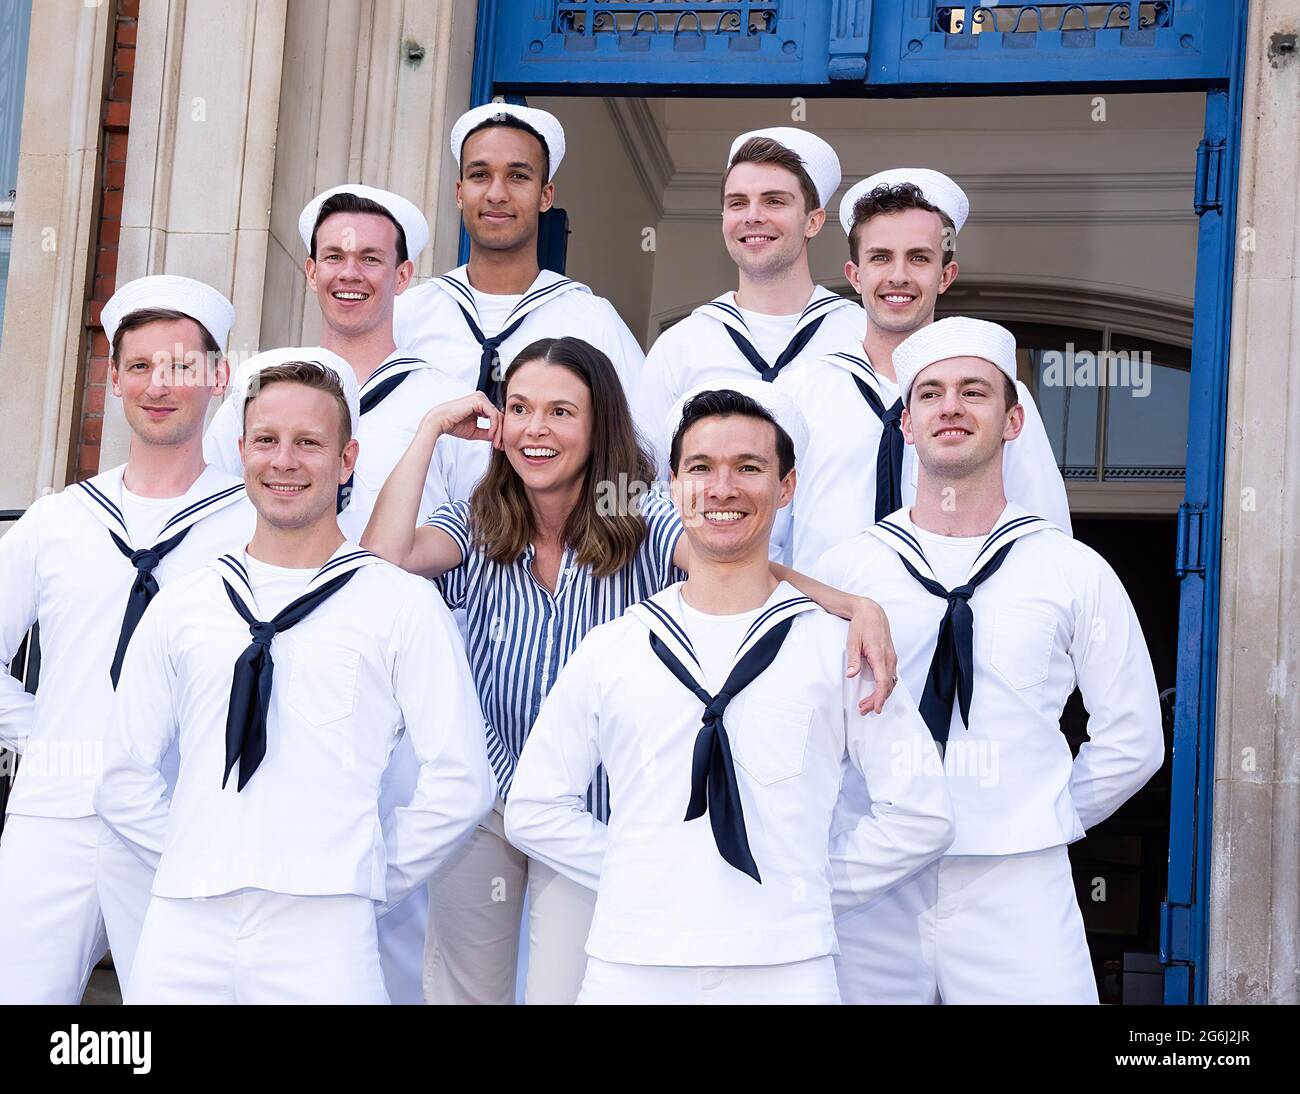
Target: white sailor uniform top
841,397
60,565
713,343
1052,615
378,659
440,321
665,895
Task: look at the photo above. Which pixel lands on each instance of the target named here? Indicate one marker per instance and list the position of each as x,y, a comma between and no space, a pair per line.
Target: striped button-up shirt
520,634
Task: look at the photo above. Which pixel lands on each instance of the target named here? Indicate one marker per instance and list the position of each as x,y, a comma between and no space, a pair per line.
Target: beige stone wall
612,189
1061,197
1255,887
200,158
376,87
53,229
228,144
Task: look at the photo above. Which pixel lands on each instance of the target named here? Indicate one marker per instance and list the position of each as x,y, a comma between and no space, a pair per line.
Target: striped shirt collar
212,491
567,566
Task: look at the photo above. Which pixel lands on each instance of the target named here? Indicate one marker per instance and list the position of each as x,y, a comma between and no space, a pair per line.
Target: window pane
6,234
1069,414
1146,421
15,25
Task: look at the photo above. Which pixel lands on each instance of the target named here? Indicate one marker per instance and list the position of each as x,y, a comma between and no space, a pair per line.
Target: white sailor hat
819,158
246,373
414,226
956,336
545,124
202,303
936,187
782,408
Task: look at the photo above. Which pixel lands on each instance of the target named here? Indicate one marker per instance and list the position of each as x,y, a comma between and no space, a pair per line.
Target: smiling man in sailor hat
725,695
997,615
288,672
775,188
902,226
472,320
87,562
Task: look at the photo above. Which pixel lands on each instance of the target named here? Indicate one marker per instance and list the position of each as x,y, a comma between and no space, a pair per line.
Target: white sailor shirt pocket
770,740
1021,646
323,681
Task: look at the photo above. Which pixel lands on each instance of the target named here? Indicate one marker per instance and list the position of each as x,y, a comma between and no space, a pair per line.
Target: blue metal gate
912,48
839,47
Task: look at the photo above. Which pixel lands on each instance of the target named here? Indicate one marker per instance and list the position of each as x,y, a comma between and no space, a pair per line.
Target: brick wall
116,115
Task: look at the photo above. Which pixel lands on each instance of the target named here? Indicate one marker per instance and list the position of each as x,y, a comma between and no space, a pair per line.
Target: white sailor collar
233,569
856,365
394,365
662,615
212,491
898,533
724,310
546,287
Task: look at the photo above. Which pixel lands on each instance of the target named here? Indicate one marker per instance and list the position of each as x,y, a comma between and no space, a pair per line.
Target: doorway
1009,57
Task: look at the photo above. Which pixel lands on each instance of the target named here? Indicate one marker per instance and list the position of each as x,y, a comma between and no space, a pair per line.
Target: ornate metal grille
636,18
1065,18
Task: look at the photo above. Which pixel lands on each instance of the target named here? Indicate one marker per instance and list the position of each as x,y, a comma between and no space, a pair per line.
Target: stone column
54,222
371,89
1255,884
200,164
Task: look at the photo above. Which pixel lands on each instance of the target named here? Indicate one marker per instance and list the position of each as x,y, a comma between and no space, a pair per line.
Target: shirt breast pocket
1021,648
323,682
770,740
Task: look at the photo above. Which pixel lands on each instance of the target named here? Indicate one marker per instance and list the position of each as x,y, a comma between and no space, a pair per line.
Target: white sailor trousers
69,889
402,930
253,946
971,929
799,983
475,905
401,948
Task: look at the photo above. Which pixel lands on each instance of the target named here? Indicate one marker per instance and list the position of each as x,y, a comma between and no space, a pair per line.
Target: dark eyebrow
765,194
743,457
965,381
513,163
363,250
924,249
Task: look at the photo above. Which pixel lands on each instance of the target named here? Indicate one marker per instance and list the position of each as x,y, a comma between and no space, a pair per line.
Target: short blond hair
310,374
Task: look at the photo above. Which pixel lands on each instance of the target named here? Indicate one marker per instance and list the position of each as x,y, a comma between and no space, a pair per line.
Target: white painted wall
1058,198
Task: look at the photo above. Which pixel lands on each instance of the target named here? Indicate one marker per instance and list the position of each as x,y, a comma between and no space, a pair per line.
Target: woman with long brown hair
561,534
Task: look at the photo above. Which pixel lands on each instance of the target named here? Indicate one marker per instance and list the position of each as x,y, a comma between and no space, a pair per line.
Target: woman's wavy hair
601,536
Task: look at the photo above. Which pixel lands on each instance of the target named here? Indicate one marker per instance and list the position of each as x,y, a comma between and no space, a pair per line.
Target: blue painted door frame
927,48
